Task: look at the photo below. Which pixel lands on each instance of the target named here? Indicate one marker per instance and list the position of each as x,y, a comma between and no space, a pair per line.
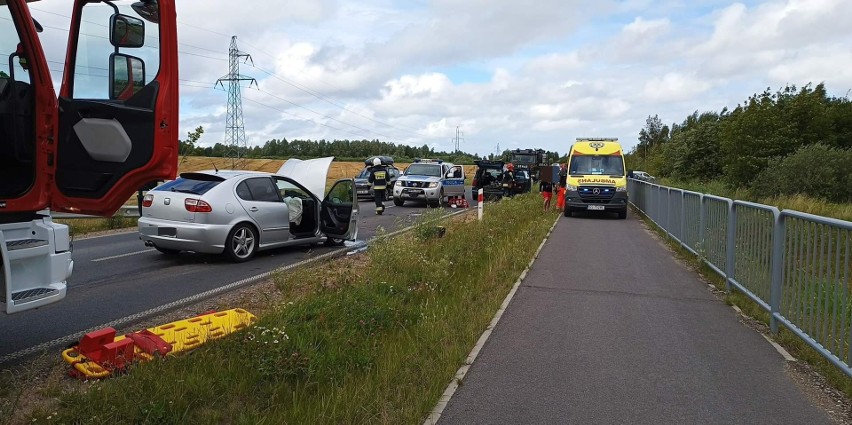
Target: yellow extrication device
101,353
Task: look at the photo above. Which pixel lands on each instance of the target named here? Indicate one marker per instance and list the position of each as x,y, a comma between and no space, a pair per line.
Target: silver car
237,213
429,181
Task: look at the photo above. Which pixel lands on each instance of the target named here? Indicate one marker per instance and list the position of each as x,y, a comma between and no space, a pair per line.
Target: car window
262,189
288,189
457,172
341,193
243,191
423,170
193,186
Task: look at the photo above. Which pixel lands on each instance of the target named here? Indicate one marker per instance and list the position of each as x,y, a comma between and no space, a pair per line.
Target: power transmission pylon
235,132
458,138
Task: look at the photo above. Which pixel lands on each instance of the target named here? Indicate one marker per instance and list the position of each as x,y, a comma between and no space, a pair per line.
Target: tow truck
112,129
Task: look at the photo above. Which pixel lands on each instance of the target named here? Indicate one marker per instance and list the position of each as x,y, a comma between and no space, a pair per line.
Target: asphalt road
116,276
608,328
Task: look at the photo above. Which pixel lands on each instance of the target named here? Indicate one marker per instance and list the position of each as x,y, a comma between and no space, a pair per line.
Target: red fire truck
112,129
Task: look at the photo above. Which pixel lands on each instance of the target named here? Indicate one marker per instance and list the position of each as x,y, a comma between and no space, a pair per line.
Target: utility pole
235,132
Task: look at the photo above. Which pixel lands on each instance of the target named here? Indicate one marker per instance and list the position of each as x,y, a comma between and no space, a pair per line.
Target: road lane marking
73,338
121,255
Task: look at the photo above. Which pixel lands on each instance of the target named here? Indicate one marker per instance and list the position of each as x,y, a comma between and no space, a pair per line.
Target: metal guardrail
125,211
796,266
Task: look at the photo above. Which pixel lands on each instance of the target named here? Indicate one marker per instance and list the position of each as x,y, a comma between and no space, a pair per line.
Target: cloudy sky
513,73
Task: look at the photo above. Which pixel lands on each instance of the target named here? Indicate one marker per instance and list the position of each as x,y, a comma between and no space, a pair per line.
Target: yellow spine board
182,335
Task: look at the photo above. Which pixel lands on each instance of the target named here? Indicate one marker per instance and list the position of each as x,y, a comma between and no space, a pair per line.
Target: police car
430,181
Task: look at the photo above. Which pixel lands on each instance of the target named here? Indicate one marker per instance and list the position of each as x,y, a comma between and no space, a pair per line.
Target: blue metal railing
796,266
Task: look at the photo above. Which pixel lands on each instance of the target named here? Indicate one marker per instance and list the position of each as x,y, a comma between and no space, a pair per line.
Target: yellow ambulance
596,178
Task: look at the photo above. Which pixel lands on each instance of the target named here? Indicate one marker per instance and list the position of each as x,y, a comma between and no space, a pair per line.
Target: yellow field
339,170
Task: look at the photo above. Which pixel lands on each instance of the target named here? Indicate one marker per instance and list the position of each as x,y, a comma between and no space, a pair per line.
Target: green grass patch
82,226
370,338
802,203
796,346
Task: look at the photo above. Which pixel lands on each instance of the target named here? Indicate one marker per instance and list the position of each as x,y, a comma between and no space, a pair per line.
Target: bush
817,171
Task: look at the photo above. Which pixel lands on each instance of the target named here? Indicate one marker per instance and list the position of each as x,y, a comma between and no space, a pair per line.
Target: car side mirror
126,76
126,31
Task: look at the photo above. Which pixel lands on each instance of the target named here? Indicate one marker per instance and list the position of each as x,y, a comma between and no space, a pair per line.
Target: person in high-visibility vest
379,179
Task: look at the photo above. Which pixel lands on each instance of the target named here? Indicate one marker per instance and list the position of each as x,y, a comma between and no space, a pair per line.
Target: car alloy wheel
242,243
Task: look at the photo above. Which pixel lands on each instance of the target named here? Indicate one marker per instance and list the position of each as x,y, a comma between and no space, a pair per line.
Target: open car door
118,105
339,214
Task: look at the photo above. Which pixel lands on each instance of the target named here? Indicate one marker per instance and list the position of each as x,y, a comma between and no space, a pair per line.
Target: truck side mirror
126,76
126,31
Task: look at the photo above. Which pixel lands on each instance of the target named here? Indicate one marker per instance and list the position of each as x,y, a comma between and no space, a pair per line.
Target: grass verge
82,226
792,343
370,338
799,203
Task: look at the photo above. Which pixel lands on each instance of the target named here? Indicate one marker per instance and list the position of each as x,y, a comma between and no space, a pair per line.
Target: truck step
29,295
24,244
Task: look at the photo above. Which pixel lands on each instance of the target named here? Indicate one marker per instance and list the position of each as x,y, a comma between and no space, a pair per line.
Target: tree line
343,150
790,141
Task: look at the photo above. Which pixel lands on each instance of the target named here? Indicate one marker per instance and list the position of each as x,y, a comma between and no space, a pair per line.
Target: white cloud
503,71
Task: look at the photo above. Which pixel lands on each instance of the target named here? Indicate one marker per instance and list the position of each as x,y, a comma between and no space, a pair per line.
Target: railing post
778,244
701,247
730,251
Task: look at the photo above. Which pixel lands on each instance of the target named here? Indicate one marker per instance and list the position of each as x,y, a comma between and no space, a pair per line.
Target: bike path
609,328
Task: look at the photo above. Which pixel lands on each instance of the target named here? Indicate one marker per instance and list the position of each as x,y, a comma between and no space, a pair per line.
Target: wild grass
82,226
800,202
371,338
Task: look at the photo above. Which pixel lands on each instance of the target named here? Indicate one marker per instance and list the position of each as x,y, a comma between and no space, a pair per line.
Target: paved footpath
608,328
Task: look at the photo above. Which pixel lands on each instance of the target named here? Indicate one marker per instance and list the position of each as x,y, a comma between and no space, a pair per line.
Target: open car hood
310,173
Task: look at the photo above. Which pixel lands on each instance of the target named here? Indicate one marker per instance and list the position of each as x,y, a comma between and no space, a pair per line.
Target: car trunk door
339,215
118,133
168,205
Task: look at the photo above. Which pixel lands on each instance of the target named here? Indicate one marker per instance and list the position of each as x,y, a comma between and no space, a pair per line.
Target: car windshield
363,174
522,175
184,185
610,165
431,170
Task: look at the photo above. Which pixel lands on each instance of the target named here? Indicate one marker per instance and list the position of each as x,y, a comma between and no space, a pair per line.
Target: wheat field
338,170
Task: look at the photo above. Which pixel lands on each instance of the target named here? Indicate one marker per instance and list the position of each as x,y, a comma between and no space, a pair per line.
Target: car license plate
595,207
167,231
363,192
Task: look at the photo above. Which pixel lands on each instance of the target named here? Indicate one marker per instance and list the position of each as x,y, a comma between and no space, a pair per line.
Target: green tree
188,146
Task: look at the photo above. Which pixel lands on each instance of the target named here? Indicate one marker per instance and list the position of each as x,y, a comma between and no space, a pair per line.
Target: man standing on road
379,179
563,180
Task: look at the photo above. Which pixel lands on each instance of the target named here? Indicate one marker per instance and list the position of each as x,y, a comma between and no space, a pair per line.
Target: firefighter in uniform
379,179
508,179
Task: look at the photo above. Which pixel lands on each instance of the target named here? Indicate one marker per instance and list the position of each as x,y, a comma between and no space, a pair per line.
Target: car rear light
197,205
474,182
148,200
